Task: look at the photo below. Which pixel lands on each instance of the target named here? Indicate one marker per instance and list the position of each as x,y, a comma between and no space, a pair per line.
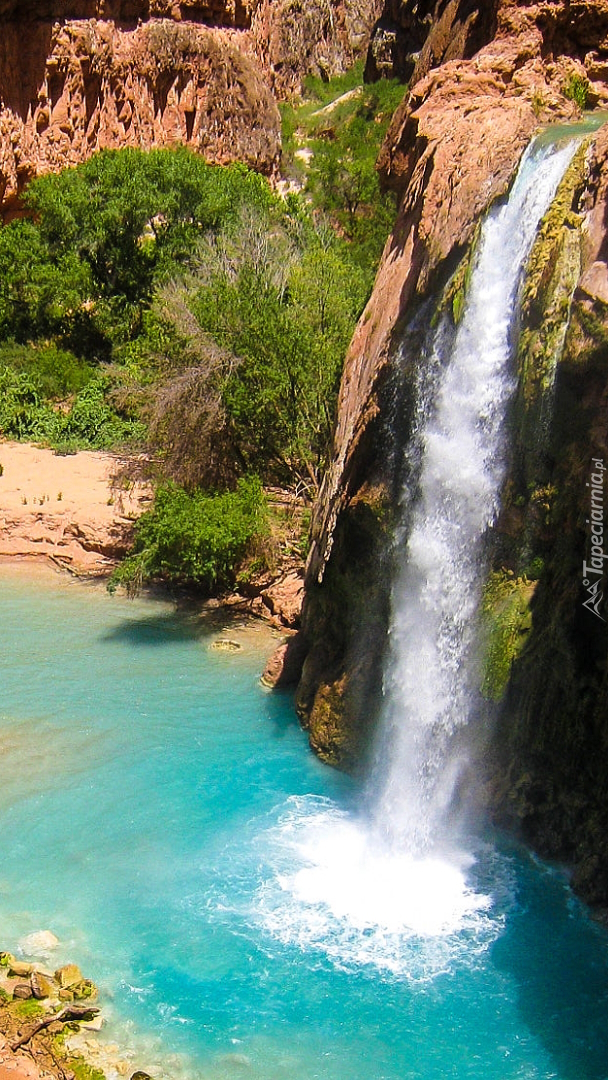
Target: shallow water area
162,814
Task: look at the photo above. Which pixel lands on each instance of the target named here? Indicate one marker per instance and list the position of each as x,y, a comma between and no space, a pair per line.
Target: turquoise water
158,810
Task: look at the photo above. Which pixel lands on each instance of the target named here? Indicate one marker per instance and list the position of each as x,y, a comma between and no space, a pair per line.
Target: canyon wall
76,77
453,148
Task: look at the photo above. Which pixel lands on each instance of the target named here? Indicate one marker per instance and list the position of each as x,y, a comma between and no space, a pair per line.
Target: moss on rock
506,623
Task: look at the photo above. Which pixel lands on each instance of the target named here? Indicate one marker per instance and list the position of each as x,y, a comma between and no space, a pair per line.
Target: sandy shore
66,509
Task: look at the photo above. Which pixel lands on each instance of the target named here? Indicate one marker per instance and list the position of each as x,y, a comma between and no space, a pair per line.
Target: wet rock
285,665
225,645
22,991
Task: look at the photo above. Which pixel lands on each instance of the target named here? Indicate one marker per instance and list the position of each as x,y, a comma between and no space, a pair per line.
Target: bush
576,88
58,373
265,323
194,539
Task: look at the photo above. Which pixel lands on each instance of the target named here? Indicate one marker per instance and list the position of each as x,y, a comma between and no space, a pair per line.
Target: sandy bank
66,509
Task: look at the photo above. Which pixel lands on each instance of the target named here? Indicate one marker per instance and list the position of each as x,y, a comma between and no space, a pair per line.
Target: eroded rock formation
82,75
86,85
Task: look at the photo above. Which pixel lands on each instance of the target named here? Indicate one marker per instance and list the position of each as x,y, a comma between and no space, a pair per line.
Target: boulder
39,943
42,986
22,991
284,599
84,990
19,968
68,975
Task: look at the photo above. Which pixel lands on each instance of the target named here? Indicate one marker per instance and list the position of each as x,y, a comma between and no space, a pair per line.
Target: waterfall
397,884
430,681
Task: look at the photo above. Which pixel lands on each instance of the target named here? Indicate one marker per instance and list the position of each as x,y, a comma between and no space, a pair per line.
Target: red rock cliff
453,148
81,75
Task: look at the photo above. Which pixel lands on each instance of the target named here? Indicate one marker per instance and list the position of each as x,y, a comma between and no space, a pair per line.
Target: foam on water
330,883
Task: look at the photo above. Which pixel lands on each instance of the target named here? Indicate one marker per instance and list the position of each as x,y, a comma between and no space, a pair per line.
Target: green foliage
27,1010
104,235
507,621
194,539
288,335
345,137
323,91
77,281
576,88
58,373
90,423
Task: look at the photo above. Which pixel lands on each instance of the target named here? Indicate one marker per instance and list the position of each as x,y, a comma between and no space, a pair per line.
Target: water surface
157,811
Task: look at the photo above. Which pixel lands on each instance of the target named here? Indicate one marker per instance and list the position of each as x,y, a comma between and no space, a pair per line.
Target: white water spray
371,890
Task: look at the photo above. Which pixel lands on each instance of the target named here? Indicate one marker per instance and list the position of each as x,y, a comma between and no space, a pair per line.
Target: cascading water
370,888
430,688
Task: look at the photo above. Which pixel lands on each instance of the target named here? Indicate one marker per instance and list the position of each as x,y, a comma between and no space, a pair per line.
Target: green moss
458,305
507,621
576,88
549,244
83,1071
27,1010
456,291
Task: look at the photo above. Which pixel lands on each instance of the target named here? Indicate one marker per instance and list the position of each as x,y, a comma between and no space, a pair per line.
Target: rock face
76,77
85,85
414,35
319,37
453,148
549,761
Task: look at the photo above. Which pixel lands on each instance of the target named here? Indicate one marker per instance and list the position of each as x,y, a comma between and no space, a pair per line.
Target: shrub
194,539
576,88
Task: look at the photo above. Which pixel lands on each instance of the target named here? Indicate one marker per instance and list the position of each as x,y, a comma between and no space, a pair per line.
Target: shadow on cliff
561,994
23,64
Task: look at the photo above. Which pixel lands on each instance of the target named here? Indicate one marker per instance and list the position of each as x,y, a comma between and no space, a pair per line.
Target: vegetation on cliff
154,302
331,142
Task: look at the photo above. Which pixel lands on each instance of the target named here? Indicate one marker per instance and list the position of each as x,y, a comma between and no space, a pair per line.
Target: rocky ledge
41,1015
